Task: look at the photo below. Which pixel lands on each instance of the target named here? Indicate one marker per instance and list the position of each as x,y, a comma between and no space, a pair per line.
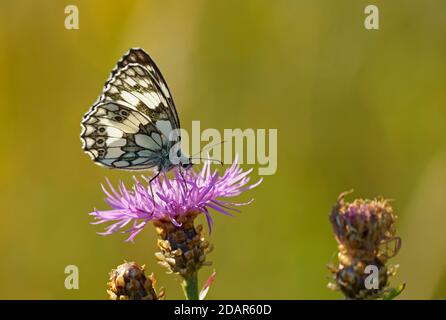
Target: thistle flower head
365,232
129,282
187,192
363,226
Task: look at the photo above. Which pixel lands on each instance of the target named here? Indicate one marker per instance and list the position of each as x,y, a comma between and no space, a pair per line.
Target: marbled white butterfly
131,124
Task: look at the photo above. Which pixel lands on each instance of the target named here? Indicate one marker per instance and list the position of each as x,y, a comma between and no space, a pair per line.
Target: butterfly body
134,124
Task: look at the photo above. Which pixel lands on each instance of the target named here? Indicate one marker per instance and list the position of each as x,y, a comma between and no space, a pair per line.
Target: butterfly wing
130,125
140,57
119,137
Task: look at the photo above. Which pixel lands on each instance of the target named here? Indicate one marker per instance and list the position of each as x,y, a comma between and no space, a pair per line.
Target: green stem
190,287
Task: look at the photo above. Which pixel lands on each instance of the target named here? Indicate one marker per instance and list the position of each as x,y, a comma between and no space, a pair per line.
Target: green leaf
394,292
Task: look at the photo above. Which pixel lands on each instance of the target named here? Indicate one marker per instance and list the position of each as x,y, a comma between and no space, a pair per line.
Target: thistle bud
182,247
129,282
365,232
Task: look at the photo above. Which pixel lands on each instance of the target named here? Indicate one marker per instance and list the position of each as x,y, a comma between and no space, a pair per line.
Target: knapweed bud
362,226
352,279
182,246
365,232
129,282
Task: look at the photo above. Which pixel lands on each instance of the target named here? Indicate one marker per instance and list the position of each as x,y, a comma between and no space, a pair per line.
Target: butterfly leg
150,185
180,169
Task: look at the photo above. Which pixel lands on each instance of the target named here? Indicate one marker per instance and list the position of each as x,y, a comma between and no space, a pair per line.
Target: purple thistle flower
186,193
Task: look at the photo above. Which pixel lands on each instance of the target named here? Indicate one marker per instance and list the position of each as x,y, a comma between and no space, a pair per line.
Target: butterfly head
187,165
172,159
184,161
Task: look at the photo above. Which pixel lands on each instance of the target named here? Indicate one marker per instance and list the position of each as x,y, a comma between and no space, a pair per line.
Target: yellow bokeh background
353,108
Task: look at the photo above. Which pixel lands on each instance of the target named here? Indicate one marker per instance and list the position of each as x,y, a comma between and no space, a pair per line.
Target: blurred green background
353,108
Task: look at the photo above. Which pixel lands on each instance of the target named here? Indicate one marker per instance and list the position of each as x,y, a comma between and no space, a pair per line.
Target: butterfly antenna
209,146
200,158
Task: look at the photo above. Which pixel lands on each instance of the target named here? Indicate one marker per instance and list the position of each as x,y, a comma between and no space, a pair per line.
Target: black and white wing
129,126
139,56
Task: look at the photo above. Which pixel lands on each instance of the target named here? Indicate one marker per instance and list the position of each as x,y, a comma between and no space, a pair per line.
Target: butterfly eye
186,165
179,153
100,142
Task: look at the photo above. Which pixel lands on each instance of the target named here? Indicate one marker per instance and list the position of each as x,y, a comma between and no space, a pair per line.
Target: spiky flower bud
129,282
365,232
182,246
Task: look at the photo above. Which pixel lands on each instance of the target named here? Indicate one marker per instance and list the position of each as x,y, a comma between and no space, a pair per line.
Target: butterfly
134,124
